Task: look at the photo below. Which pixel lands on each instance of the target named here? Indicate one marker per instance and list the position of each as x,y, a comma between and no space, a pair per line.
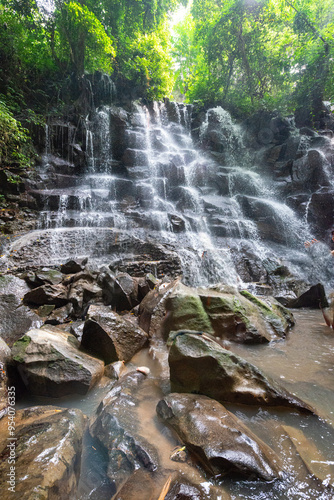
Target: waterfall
141,176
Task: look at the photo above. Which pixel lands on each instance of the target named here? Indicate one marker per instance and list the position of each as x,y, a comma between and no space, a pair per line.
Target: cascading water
145,179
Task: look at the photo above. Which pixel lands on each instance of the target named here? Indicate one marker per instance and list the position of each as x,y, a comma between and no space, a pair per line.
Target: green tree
82,36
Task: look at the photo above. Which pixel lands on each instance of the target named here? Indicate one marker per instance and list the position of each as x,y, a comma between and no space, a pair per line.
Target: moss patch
19,348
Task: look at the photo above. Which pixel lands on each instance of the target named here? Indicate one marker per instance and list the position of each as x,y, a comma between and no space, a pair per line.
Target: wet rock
140,486
200,365
125,292
60,315
321,211
73,267
50,363
42,277
106,281
315,462
219,439
47,453
143,288
16,318
111,337
309,171
45,310
5,356
135,157
152,309
114,370
186,311
239,317
116,426
265,215
47,294
314,298
76,328
181,491
82,292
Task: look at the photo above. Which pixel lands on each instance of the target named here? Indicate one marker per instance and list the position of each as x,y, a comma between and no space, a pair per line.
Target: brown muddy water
303,364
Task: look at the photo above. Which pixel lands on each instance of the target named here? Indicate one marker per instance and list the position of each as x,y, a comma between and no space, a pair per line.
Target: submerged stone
313,459
47,450
200,365
219,440
116,426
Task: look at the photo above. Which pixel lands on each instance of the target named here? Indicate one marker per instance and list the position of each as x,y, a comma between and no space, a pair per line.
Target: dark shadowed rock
111,337
48,453
73,266
116,426
83,291
152,309
50,363
200,365
47,294
181,491
60,315
219,439
125,292
314,298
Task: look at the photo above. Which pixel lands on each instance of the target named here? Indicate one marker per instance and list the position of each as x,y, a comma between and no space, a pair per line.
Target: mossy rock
19,348
185,311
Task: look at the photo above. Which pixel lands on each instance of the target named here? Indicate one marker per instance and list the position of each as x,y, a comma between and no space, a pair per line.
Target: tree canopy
241,54
248,54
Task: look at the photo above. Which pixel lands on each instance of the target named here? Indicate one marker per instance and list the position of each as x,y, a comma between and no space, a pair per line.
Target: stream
303,364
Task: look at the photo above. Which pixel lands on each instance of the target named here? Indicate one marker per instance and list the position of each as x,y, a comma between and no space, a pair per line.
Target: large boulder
16,318
321,211
117,427
152,309
111,337
46,453
314,298
219,439
186,311
51,364
309,171
125,295
226,313
198,364
47,294
41,277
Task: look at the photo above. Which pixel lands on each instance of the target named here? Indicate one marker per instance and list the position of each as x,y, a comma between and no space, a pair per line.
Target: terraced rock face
200,365
47,453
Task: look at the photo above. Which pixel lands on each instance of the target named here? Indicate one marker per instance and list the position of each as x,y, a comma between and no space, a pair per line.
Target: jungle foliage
253,54
40,50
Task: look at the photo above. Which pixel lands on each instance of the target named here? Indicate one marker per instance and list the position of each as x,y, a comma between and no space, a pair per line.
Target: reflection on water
303,363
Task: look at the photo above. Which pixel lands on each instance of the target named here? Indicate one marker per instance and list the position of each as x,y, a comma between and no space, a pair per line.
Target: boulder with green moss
50,363
227,314
198,364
